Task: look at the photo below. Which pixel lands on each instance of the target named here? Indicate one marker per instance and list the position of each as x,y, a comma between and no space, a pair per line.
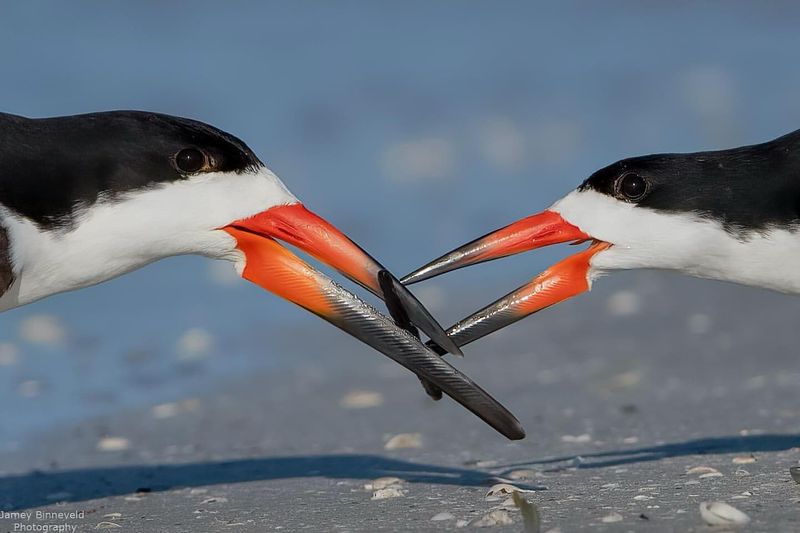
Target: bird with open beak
86,198
730,215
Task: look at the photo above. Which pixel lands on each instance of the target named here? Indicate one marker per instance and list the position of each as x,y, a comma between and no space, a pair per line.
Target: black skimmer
86,198
730,215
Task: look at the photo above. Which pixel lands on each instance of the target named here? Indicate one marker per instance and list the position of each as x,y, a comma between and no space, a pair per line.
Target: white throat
113,237
645,238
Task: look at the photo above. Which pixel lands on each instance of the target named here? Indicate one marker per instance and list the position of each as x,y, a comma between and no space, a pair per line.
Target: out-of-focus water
414,127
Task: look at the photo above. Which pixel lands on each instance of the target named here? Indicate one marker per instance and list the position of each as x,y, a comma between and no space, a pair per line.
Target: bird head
727,215
118,190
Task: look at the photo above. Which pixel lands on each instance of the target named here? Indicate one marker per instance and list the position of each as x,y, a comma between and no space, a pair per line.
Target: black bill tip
414,311
401,319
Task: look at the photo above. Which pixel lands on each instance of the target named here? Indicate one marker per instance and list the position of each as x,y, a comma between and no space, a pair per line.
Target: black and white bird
730,215
86,198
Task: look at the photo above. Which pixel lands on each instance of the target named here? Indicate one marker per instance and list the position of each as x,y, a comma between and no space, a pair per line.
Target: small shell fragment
442,517
501,491
389,492
576,439
611,518
710,474
499,517
702,470
722,514
107,525
404,440
361,399
744,459
382,483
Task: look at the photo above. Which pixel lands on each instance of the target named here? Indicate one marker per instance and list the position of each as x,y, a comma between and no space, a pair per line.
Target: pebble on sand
704,471
404,440
611,518
722,514
440,517
744,459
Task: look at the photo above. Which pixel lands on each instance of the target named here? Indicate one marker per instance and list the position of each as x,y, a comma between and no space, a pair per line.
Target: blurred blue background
413,127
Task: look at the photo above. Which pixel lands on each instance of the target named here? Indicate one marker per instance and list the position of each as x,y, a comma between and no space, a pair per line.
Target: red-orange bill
316,236
532,232
278,270
560,282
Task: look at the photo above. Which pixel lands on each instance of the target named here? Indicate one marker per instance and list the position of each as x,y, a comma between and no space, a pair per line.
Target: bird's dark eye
190,160
631,186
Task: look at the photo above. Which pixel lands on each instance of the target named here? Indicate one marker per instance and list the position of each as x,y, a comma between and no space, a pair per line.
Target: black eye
190,160
631,186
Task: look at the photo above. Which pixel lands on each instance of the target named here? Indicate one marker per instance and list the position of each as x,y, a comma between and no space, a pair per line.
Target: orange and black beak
563,280
278,270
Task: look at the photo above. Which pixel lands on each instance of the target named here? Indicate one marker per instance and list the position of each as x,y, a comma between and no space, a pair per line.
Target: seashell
611,518
361,399
389,492
500,491
404,440
702,470
722,514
